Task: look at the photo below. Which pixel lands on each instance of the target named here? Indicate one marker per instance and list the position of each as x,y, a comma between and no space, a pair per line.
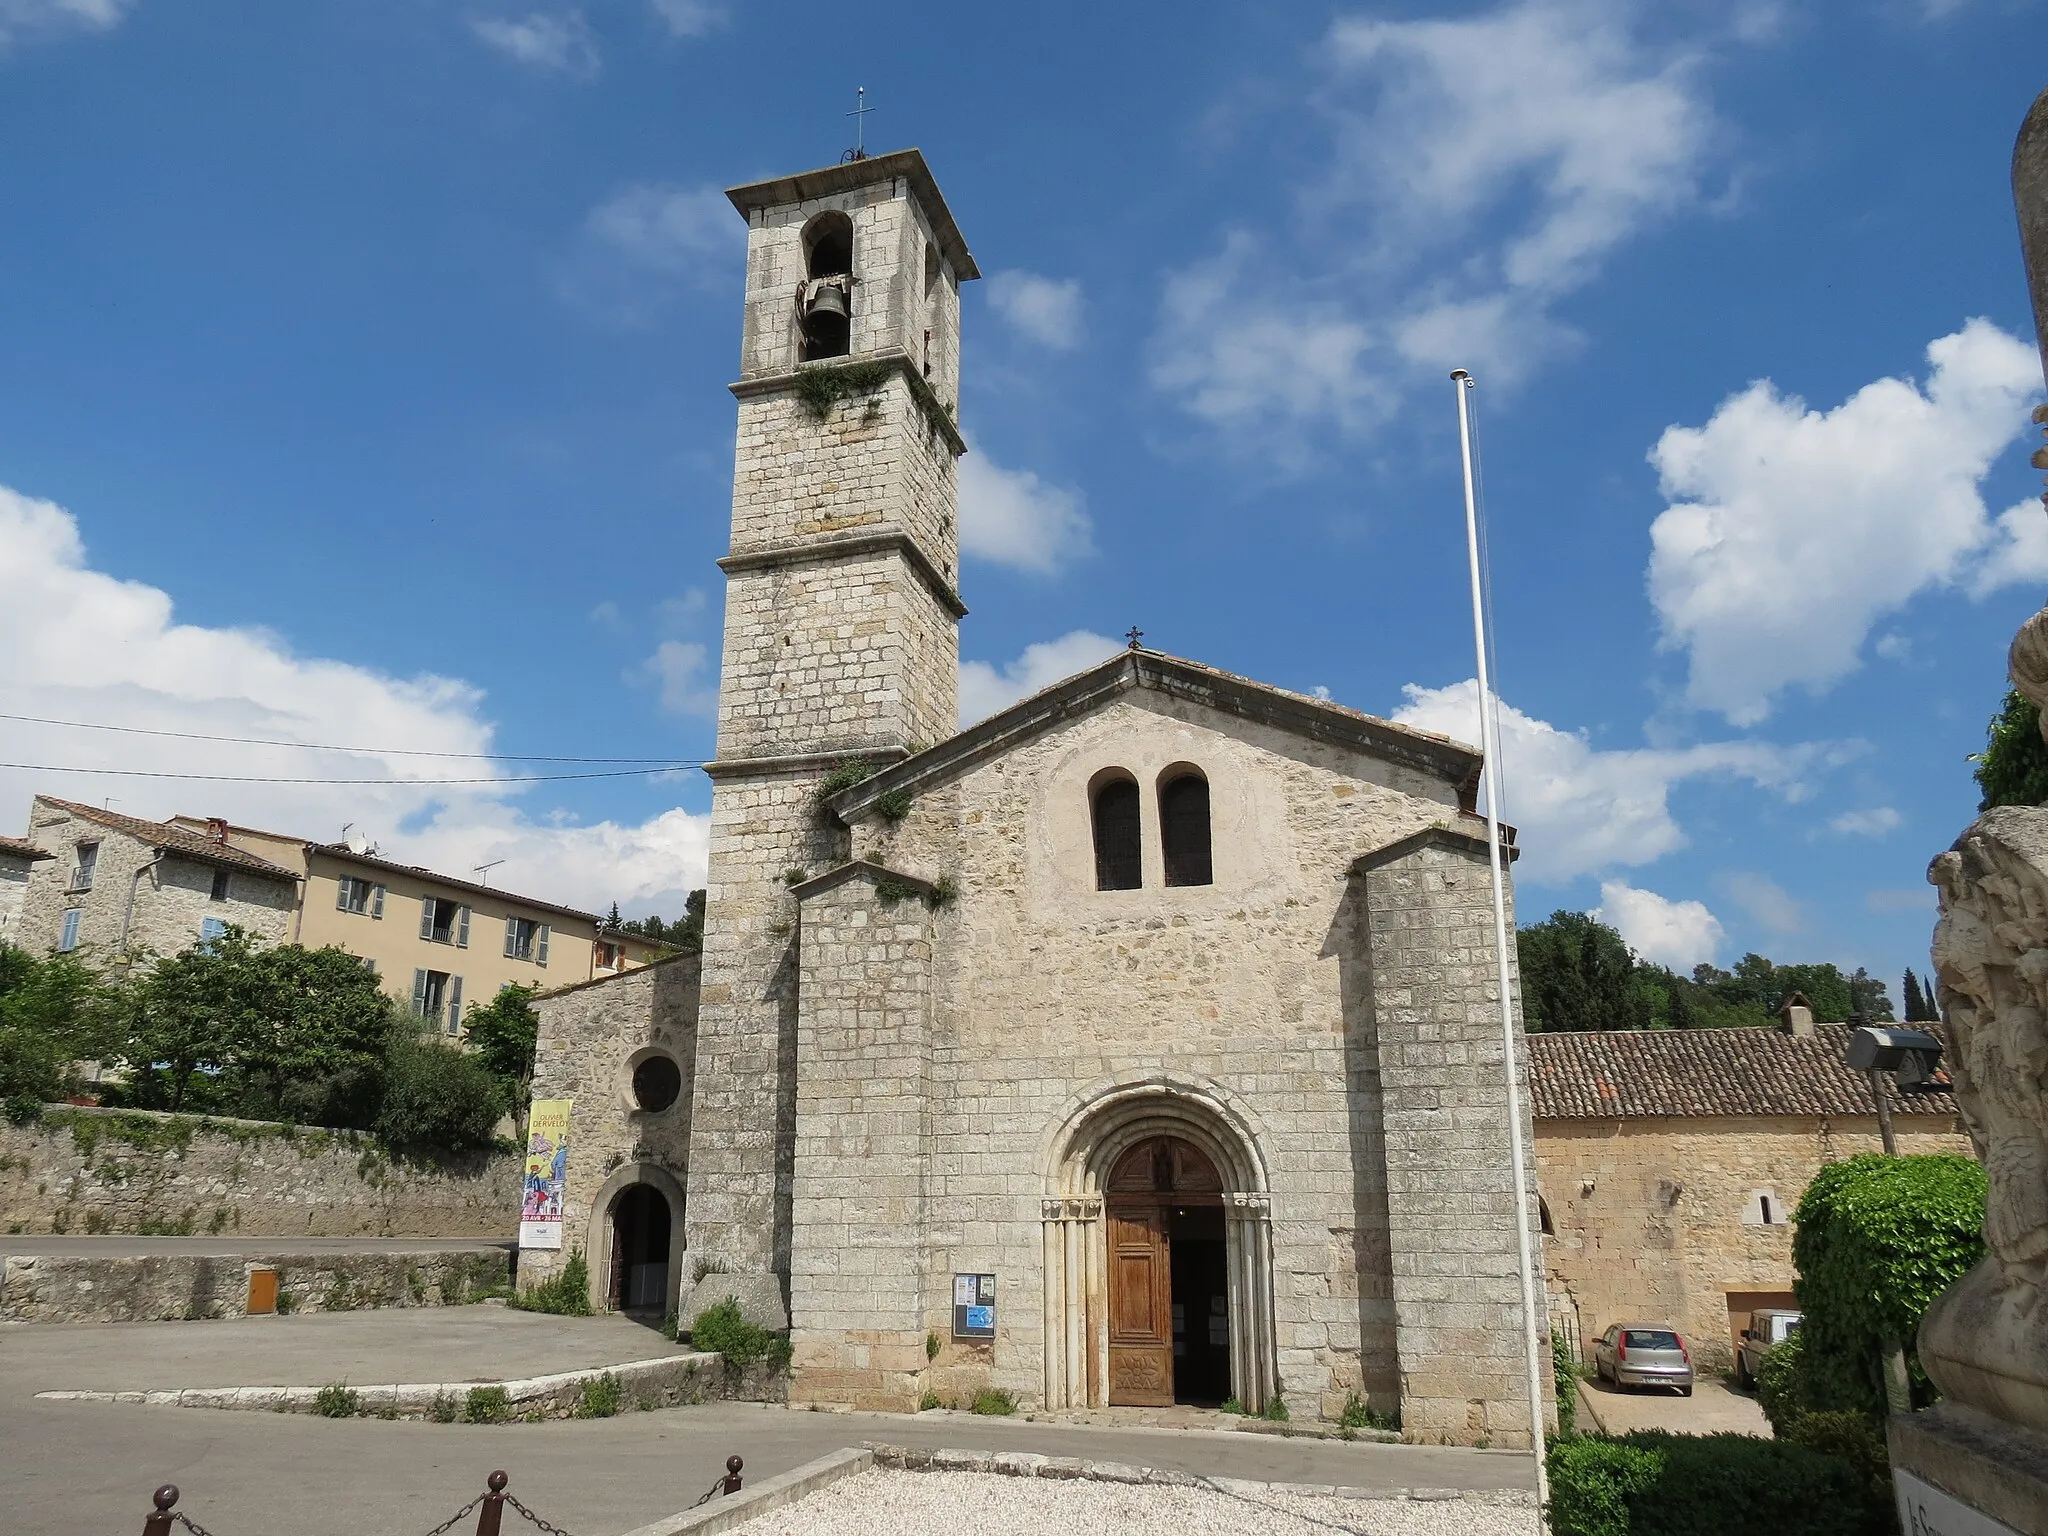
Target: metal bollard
732,1473
493,1508
158,1521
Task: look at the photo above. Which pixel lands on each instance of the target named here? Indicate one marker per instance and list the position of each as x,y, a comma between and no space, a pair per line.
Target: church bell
827,321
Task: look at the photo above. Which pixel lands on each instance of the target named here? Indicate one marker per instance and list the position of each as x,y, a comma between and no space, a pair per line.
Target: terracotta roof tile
22,848
171,839
1627,1074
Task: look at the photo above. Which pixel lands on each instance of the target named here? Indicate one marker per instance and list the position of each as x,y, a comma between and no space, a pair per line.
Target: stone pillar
862,1296
1073,1250
1435,1011
1248,1253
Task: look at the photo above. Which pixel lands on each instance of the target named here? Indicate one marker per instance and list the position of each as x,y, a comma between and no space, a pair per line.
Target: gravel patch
885,1503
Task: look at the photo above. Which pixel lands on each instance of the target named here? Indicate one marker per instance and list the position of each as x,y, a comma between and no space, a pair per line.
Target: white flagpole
1536,1338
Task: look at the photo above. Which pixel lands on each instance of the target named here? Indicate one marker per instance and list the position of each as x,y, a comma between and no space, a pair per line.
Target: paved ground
882,1503
89,1467
1714,1408
230,1246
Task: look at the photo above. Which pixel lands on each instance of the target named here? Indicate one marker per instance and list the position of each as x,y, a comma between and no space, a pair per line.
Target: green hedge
1878,1238
1656,1484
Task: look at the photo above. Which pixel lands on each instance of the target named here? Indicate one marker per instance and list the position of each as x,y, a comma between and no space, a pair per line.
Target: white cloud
1480,169
984,688
1792,532
83,645
1875,822
2017,551
678,668
1678,934
650,240
1767,902
1043,309
1011,517
561,43
23,21
1579,809
688,18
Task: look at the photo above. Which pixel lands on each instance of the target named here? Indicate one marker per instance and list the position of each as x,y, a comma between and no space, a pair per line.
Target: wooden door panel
1140,1308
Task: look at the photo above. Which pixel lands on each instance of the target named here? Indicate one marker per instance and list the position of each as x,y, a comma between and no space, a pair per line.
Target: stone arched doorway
641,1224
1160,1211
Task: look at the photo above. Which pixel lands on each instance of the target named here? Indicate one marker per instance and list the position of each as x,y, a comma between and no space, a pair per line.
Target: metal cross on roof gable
1134,635
859,114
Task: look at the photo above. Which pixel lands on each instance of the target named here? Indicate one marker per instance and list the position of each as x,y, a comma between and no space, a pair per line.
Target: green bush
337,1400
437,1099
1656,1484
994,1402
487,1405
1590,1484
442,1409
929,1401
1276,1411
565,1295
724,1331
602,1397
1564,1371
1781,1386
1878,1238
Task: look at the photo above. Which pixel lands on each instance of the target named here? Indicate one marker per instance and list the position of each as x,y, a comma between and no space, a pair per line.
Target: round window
656,1083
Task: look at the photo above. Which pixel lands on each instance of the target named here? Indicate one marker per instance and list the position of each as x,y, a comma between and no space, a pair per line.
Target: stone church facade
1138,1044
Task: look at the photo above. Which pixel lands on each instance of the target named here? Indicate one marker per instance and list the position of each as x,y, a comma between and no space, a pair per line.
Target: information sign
974,1306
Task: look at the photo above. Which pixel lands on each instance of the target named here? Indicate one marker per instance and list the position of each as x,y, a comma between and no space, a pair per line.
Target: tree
1578,974
54,1012
613,920
1920,1007
685,932
1871,1000
2013,767
503,1034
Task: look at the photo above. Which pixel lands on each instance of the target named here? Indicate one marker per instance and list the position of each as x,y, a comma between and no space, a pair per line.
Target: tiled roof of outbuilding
22,848
172,839
1630,1074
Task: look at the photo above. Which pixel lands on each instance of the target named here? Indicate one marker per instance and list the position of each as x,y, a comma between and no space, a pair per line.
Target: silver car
1644,1355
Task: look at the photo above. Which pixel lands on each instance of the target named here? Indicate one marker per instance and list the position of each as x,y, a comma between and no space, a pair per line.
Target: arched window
828,296
1118,862
1184,828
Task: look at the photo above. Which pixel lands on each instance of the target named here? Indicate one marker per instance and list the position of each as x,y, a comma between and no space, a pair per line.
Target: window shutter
341,894
419,993
511,937
426,917
454,1005
540,950
376,901
462,928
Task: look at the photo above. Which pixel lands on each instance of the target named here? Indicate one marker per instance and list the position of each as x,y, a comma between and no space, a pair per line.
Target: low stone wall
128,1171
154,1288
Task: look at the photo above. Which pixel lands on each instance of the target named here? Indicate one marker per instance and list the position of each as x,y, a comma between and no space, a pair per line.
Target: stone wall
1660,1221
90,1171
155,1288
592,1038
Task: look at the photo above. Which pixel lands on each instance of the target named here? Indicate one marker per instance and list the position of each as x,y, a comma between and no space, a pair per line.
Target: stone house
1670,1162
1139,1044
18,856
112,884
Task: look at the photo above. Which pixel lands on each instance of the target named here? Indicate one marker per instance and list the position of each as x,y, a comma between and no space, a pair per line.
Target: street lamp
1912,1055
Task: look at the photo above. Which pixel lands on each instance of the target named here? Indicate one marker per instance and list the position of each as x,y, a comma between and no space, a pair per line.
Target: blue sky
367,364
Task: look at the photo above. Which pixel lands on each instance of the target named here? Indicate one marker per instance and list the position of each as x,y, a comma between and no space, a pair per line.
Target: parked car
1644,1355
1767,1328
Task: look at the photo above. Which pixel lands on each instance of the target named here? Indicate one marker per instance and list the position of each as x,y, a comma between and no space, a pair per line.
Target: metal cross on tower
859,114
1134,635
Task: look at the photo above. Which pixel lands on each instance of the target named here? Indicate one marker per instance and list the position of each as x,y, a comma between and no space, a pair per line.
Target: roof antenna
484,870
859,114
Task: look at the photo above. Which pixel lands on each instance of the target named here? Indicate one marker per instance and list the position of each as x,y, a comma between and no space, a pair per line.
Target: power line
314,746
249,778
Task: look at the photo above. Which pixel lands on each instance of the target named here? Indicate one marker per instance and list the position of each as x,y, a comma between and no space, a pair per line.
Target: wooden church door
1149,1183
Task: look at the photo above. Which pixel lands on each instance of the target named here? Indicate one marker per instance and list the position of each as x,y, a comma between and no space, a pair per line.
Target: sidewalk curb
668,1380
786,1488
1030,1464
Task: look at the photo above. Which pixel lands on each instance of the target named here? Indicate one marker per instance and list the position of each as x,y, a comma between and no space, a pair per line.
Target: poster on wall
547,1170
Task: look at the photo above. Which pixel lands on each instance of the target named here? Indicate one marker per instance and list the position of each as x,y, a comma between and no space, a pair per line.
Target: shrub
1276,1412
893,805
849,773
565,1295
820,387
337,1400
1564,1371
602,1397
442,1409
1878,1239
994,1402
723,1330
437,1099
487,1405
1359,1414
1656,1484
929,1401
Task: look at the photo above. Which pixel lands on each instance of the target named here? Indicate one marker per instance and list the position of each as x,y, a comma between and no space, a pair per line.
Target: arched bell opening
826,307
1161,1209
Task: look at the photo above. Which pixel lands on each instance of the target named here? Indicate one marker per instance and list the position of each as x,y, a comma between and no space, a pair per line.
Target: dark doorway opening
1201,1307
640,1232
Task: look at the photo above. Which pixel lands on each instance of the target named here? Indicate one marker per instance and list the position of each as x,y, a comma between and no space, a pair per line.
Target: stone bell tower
841,615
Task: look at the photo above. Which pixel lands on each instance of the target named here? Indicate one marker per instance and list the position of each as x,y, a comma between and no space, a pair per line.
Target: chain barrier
449,1524
729,1483
189,1523
547,1526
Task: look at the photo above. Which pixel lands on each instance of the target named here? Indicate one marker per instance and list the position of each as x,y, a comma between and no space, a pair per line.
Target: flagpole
1489,745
